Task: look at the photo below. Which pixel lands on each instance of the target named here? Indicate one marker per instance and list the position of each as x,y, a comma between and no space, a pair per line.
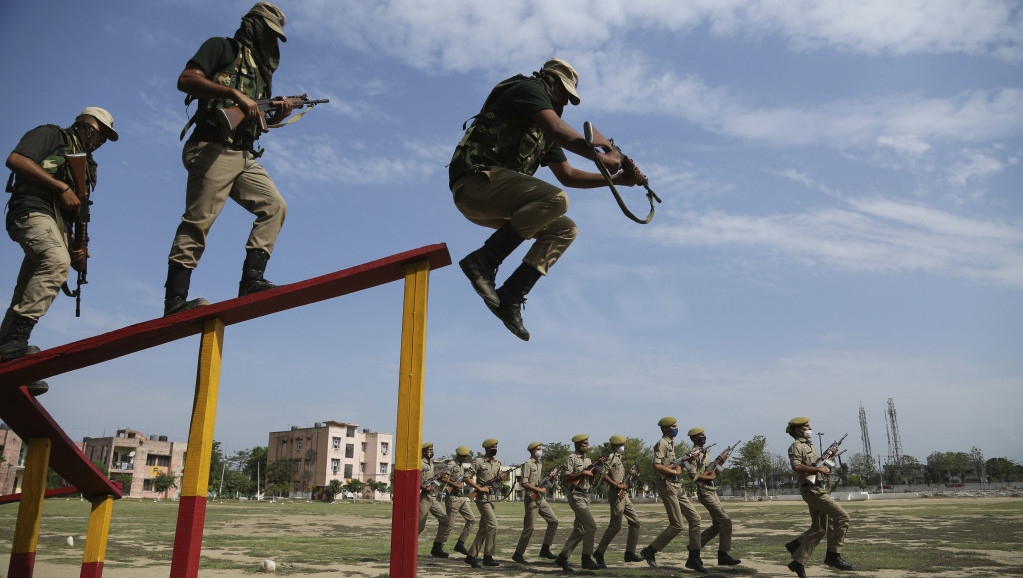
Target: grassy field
923,537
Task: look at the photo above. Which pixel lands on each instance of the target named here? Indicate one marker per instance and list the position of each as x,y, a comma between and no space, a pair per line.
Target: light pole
880,472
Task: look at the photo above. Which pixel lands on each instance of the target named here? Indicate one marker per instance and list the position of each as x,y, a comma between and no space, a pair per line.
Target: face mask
673,430
807,433
620,449
538,453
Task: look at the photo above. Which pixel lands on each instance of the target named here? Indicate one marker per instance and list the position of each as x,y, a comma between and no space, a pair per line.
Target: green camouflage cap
272,15
566,74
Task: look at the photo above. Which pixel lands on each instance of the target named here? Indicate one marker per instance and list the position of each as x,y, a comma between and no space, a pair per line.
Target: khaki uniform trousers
43,270
678,506
721,524
459,505
535,208
216,173
826,518
620,508
429,505
584,529
487,535
534,507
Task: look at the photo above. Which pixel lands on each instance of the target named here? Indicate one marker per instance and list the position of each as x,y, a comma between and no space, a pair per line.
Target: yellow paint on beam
33,490
196,478
411,367
99,530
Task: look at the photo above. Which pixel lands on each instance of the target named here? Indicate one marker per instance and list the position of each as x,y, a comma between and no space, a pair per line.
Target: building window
363,447
383,467
147,485
383,448
336,442
362,468
296,465
348,471
298,444
155,460
335,466
349,450
351,431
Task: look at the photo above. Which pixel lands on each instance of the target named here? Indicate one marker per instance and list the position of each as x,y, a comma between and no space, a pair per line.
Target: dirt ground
754,563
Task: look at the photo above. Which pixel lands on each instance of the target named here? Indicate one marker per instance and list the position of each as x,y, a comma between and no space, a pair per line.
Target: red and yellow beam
30,509
96,538
405,513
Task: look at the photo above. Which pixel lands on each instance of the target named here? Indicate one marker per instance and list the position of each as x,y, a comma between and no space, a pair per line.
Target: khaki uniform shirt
457,471
425,473
531,472
698,466
802,452
664,454
577,463
484,471
616,469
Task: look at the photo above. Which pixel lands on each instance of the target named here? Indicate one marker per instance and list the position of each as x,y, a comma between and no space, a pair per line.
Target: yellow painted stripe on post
99,530
410,380
33,490
196,478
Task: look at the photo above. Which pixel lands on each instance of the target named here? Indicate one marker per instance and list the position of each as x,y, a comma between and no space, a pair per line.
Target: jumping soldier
228,72
42,207
621,507
429,505
707,494
531,484
826,516
457,500
491,178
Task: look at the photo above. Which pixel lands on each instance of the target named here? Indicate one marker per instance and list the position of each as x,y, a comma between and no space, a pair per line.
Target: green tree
278,477
1003,470
947,467
334,488
102,467
255,466
163,483
376,486
355,487
862,470
217,466
125,480
753,461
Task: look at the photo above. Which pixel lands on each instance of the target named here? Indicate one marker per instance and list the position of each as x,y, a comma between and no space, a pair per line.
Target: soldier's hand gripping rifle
436,479
544,483
629,167
492,482
78,164
718,461
228,119
688,457
827,458
628,480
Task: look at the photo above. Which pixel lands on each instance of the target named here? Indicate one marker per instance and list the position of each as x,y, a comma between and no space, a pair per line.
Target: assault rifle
545,482
434,480
492,482
599,462
628,479
685,458
719,461
228,119
629,168
78,164
828,456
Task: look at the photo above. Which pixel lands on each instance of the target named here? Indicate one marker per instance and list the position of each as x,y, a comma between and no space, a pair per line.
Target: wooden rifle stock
229,118
78,163
543,483
628,479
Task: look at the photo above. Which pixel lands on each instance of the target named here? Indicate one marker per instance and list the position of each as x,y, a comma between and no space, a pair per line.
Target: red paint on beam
188,537
21,565
92,570
405,524
55,492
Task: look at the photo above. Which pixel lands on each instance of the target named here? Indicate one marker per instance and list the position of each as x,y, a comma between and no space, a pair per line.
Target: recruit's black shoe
598,557
792,546
518,557
695,563
510,313
834,559
37,388
438,550
649,555
589,564
473,561
632,557
489,561
545,552
179,304
15,344
562,562
725,559
252,273
481,273
460,548
798,569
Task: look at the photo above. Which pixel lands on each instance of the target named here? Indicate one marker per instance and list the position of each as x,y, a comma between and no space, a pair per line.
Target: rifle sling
621,204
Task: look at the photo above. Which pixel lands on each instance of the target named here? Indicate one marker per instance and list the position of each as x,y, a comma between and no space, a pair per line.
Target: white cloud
976,164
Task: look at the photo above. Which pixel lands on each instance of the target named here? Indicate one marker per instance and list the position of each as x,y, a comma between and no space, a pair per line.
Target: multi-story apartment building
332,450
130,453
12,466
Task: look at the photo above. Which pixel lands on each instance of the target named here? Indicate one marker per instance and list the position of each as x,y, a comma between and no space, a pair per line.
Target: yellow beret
617,440
667,421
533,446
580,438
695,431
462,451
796,421
489,443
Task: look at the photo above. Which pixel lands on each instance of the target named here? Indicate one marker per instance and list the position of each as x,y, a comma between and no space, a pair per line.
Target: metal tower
864,435
894,441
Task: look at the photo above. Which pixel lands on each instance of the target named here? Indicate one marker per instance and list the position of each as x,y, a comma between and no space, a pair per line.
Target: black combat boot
545,552
649,554
481,265
472,561
438,550
460,548
513,297
725,559
792,546
834,559
518,557
252,273
15,343
562,562
598,557
175,298
798,569
632,557
489,561
695,563
589,564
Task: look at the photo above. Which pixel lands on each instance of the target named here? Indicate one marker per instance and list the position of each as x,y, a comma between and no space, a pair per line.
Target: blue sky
842,219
